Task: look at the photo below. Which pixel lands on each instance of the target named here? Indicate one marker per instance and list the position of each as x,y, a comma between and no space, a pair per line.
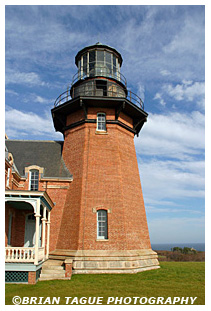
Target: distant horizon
200,247
179,243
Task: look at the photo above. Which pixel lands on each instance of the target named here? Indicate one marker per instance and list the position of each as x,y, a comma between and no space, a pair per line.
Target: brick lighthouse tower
103,227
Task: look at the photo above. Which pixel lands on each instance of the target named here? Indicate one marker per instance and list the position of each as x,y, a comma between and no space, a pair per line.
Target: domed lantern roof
99,46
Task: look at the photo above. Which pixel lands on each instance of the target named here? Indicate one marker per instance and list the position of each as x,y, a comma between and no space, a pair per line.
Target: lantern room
99,60
99,66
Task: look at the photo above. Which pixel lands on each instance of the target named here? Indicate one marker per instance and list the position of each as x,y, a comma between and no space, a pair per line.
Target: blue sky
163,50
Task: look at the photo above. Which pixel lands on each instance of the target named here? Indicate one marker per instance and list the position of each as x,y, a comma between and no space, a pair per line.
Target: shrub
177,249
180,256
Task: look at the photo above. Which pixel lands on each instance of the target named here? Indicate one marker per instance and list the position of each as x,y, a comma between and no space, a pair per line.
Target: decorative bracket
84,108
61,119
138,125
117,112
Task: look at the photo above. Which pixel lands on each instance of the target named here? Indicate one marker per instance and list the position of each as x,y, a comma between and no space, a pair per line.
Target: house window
102,224
101,122
34,180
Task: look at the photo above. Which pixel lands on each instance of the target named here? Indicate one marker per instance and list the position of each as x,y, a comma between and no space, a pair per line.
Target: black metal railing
99,71
94,91
63,98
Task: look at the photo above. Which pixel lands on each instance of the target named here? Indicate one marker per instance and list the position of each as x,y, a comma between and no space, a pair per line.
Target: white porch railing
41,253
23,254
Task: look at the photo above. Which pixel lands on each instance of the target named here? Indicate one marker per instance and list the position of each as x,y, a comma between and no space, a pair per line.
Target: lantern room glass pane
100,67
108,62
79,64
85,64
114,66
79,69
91,62
100,56
108,58
114,61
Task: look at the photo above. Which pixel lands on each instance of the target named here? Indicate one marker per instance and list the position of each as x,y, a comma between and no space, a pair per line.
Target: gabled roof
46,154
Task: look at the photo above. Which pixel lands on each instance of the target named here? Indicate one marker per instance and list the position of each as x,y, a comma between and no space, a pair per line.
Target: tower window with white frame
101,122
33,180
102,224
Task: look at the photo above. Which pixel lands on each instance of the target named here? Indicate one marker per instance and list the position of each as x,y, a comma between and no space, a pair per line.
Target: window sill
101,132
102,240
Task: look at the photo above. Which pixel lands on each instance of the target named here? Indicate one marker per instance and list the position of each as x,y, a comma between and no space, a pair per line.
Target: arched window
33,180
101,121
102,224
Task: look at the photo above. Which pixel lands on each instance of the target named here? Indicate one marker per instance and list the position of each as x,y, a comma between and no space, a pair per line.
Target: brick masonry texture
105,176
31,277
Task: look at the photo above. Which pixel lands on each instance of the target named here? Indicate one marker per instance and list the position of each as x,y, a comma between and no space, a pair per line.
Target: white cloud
141,91
19,123
170,153
172,45
41,100
175,135
167,210
34,98
168,180
186,91
30,78
190,38
165,72
33,42
11,92
159,97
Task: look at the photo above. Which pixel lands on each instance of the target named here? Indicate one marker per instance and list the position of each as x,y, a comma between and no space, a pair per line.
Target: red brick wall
32,277
125,119
73,155
105,175
58,196
92,113
74,117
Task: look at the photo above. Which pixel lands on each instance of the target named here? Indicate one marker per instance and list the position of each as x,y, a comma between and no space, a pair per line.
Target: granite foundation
97,262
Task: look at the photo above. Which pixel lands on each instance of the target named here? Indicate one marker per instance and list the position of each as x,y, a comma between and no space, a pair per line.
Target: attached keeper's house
76,206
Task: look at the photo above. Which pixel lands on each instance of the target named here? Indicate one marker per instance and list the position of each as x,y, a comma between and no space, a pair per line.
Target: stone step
52,262
57,257
47,272
52,267
52,271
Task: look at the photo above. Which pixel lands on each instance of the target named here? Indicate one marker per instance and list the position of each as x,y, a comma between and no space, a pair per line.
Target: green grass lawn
173,279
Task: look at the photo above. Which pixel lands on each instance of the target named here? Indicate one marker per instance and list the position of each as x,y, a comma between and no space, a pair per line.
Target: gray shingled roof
47,154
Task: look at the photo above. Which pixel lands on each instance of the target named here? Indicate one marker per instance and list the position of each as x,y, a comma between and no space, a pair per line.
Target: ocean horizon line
168,246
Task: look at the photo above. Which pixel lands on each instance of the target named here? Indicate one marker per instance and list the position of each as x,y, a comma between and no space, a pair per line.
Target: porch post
43,228
37,216
48,235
